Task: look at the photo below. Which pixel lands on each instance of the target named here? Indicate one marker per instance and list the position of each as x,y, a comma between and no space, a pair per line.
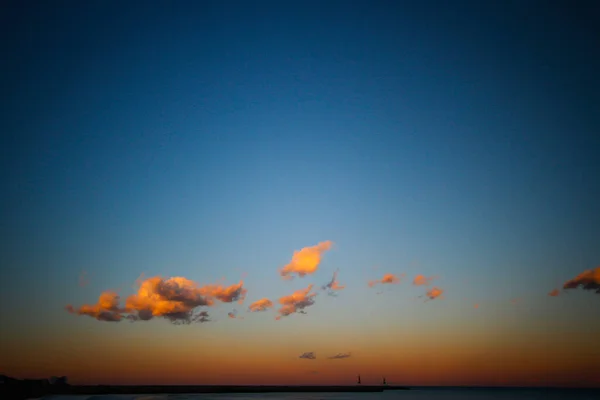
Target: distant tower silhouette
384,381
358,381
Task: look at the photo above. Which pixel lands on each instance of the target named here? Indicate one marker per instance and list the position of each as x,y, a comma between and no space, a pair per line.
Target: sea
413,394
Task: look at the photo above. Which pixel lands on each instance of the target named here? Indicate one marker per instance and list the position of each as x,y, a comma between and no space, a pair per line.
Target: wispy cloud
106,309
296,302
234,315
309,355
476,306
587,280
434,293
83,279
421,280
387,279
554,293
339,356
260,305
333,285
305,261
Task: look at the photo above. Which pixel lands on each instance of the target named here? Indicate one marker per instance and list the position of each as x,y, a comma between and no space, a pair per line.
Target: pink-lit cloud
554,293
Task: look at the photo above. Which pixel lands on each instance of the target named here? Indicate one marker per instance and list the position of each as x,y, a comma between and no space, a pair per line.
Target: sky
176,175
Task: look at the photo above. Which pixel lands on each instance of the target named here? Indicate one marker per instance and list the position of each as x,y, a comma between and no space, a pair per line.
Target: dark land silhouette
11,388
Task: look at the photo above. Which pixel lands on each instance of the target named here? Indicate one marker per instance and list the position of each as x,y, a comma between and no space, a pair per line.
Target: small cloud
476,306
421,280
339,356
233,315
296,302
587,280
515,301
227,294
309,355
387,279
333,285
106,309
305,261
83,279
554,293
434,293
260,305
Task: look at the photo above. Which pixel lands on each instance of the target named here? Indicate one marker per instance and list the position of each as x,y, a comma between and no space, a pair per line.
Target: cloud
554,293
309,355
260,305
387,278
434,293
339,356
588,280
227,294
296,302
107,309
233,315
421,280
333,285
305,261
476,306
174,298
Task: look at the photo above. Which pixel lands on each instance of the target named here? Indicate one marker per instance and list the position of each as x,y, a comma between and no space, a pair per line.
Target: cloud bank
305,261
175,299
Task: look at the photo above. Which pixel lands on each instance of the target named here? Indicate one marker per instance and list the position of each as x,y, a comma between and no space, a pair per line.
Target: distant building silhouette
384,381
358,381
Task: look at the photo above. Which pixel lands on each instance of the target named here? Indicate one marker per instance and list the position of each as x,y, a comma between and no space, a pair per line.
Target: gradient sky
211,140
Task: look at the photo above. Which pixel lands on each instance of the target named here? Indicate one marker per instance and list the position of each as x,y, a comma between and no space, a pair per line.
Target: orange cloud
476,306
233,315
174,298
305,261
333,285
421,280
588,280
554,293
227,294
296,302
434,293
387,278
260,305
107,308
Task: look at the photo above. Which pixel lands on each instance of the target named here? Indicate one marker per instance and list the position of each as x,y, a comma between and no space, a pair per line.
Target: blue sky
209,139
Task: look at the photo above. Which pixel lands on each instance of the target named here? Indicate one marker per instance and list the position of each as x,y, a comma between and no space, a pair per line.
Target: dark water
415,394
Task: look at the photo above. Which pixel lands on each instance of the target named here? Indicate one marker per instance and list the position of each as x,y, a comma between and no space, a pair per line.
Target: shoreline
28,392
